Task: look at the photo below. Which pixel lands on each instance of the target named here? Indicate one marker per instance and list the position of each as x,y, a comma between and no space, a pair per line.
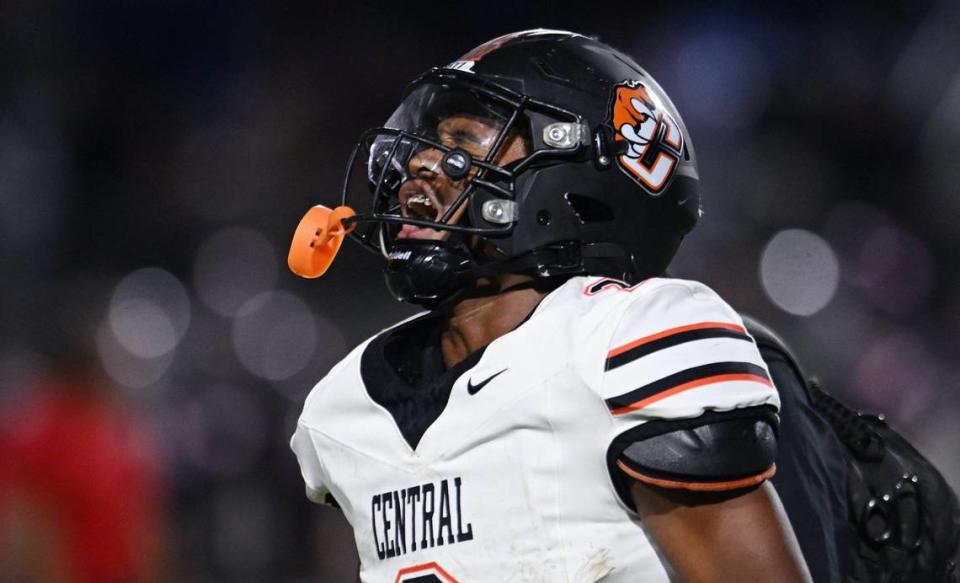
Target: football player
562,411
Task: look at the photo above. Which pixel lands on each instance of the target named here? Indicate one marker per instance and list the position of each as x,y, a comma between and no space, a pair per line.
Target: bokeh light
142,328
149,312
275,336
124,367
799,271
148,315
232,266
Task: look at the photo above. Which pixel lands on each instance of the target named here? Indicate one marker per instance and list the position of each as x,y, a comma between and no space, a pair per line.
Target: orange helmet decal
653,140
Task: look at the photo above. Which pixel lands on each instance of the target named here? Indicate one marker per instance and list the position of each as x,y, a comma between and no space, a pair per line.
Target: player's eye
459,138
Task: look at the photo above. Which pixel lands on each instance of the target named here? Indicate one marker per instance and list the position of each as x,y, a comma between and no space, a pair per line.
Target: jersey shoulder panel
678,350
583,310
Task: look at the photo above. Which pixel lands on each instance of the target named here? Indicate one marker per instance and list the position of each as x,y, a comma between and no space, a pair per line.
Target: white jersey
512,481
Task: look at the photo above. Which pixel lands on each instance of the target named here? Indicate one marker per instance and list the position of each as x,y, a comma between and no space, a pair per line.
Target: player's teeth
420,199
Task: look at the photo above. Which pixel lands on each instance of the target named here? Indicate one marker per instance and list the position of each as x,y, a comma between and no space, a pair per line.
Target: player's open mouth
418,201
419,206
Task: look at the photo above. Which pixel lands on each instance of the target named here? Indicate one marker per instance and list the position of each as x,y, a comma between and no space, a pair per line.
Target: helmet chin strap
433,273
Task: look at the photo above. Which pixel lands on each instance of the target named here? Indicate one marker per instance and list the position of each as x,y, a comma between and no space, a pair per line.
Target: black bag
904,516
903,519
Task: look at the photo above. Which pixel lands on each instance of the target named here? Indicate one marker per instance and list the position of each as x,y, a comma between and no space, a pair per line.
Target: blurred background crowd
156,155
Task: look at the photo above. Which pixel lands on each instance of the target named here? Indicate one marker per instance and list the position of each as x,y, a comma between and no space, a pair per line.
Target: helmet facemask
451,140
606,183
441,174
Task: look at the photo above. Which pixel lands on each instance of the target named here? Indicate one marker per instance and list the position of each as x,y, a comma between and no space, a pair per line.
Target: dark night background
155,157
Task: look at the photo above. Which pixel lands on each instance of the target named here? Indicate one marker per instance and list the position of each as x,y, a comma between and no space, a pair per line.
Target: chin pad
426,272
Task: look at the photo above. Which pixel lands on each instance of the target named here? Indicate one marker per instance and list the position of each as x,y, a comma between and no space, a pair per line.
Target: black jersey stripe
687,378
672,340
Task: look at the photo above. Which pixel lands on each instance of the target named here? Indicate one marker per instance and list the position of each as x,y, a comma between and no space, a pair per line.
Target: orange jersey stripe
700,486
672,331
425,567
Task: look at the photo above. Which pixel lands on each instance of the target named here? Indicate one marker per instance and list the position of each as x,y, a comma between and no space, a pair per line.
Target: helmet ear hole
589,209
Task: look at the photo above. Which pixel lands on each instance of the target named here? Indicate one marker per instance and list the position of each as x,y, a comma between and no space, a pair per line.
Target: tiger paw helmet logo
648,138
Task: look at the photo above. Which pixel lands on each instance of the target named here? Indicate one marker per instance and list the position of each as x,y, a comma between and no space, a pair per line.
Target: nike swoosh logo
473,389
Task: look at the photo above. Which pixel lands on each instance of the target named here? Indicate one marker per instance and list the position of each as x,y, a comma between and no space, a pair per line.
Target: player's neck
487,314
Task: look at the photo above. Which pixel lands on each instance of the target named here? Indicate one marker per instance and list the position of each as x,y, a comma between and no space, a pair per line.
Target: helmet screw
563,135
456,163
604,160
498,211
543,218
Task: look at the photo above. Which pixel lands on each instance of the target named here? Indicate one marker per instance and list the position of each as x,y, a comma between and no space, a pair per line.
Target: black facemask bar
383,181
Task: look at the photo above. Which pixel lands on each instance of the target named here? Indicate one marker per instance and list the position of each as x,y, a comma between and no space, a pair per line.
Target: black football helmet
583,166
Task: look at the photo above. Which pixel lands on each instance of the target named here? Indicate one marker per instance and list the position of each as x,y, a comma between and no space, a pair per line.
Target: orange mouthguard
317,239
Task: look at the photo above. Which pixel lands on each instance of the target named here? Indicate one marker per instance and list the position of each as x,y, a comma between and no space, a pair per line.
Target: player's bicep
734,535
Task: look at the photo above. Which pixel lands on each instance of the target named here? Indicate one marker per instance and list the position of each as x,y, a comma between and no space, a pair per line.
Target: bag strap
853,428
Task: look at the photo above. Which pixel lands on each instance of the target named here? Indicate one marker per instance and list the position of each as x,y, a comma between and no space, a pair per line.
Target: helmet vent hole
589,209
543,217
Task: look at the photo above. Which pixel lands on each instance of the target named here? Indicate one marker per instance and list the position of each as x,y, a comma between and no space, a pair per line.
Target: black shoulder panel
762,334
713,452
767,339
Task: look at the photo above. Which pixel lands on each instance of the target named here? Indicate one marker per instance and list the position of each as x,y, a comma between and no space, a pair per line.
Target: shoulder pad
763,334
713,452
768,340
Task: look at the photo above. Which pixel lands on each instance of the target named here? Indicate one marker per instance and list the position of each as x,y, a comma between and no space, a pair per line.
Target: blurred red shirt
79,460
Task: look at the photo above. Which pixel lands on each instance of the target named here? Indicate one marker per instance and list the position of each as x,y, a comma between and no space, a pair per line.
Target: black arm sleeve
716,451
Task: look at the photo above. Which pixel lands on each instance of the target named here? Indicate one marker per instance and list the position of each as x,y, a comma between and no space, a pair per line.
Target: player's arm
699,485
720,537
694,422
